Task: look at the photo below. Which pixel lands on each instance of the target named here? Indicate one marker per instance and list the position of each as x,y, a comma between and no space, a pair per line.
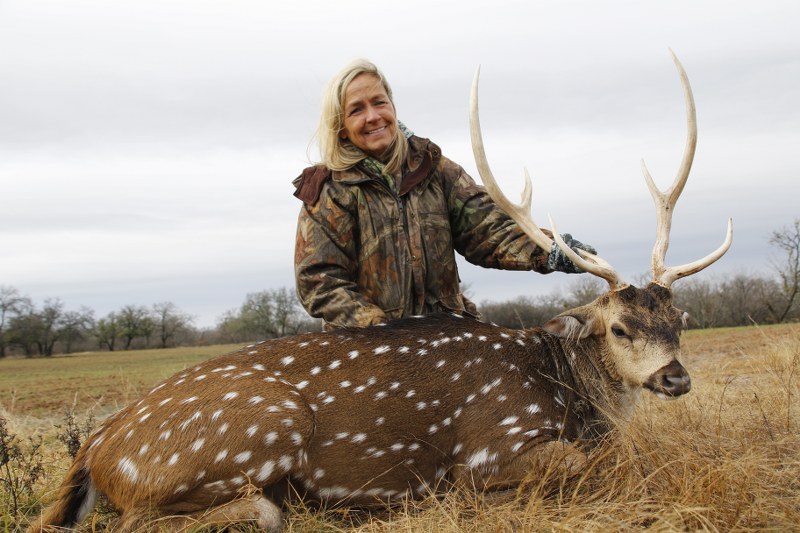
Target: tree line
43,330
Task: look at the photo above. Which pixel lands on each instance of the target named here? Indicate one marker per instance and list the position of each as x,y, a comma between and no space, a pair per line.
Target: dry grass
726,457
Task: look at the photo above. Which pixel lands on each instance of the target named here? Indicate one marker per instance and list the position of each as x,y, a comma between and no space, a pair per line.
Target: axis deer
361,415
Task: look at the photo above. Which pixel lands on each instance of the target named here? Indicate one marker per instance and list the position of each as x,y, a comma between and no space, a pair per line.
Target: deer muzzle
669,381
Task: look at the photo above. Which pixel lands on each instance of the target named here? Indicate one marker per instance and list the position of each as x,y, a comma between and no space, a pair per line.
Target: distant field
725,457
104,381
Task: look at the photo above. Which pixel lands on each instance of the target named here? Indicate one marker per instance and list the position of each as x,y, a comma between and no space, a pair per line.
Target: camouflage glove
559,261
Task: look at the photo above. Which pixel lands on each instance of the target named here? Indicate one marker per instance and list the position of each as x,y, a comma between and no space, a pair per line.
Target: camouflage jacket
366,253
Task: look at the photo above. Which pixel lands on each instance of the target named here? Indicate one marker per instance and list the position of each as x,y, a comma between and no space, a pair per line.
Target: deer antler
665,201
521,213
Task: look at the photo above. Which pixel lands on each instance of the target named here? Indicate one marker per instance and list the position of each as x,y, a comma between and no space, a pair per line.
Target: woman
384,213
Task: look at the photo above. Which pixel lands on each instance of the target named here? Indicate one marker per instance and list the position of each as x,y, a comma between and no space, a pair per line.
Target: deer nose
670,381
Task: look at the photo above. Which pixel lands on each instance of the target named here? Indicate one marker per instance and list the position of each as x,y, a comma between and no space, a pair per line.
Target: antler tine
521,213
665,201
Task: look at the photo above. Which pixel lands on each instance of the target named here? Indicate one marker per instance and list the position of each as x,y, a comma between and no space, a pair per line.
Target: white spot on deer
273,409
265,471
335,364
224,369
180,381
457,448
196,445
380,421
289,404
514,430
128,467
381,349
497,346
502,398
285,462
230,396
433,429
223,428
353,354
328,399
456,376
173,459
414,446
447,421
288,360
440,363
482,338
381,395
302,385
251,431
533,409
520,342
359,389
218,486
242,457
324,343
162,403
303,344
515,448
181,488
129,435
457,412
470,398
143,449
358,438
403,349
508,421
270,438
397,446
421,406
200,475
316,370
165,435
318,474
422,351
144,417
531,433
215,415
142,410
200,377
411,393
297,439
344,384
258,366
395,385
481,458
287,422
238,480
255,400
157,388
221,456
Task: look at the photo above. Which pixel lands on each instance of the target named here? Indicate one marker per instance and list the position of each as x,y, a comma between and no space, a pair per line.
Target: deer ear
573,326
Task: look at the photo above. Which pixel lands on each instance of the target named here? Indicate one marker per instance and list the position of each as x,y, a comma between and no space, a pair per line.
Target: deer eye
618,332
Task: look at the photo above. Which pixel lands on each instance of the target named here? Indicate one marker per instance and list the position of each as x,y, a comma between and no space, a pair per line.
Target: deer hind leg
253,509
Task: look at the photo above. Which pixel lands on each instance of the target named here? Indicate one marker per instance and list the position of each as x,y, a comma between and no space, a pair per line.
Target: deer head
640,326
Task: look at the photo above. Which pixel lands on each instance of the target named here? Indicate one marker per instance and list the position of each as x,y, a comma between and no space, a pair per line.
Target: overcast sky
147,147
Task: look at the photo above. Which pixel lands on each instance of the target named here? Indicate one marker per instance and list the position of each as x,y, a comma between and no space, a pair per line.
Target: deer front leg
543,463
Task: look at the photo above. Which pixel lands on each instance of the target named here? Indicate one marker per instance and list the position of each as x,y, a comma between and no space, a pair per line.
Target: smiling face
369,118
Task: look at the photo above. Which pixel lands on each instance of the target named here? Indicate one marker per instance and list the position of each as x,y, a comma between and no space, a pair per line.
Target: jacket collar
423,158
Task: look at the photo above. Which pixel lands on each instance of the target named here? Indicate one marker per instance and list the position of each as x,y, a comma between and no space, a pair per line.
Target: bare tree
108,331
788,269
169,321
12,303
134,321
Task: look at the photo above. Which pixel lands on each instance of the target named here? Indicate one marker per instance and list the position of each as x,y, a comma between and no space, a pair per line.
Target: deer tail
74,501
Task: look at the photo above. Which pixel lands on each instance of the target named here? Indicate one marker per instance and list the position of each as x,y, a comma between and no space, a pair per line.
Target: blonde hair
341,154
